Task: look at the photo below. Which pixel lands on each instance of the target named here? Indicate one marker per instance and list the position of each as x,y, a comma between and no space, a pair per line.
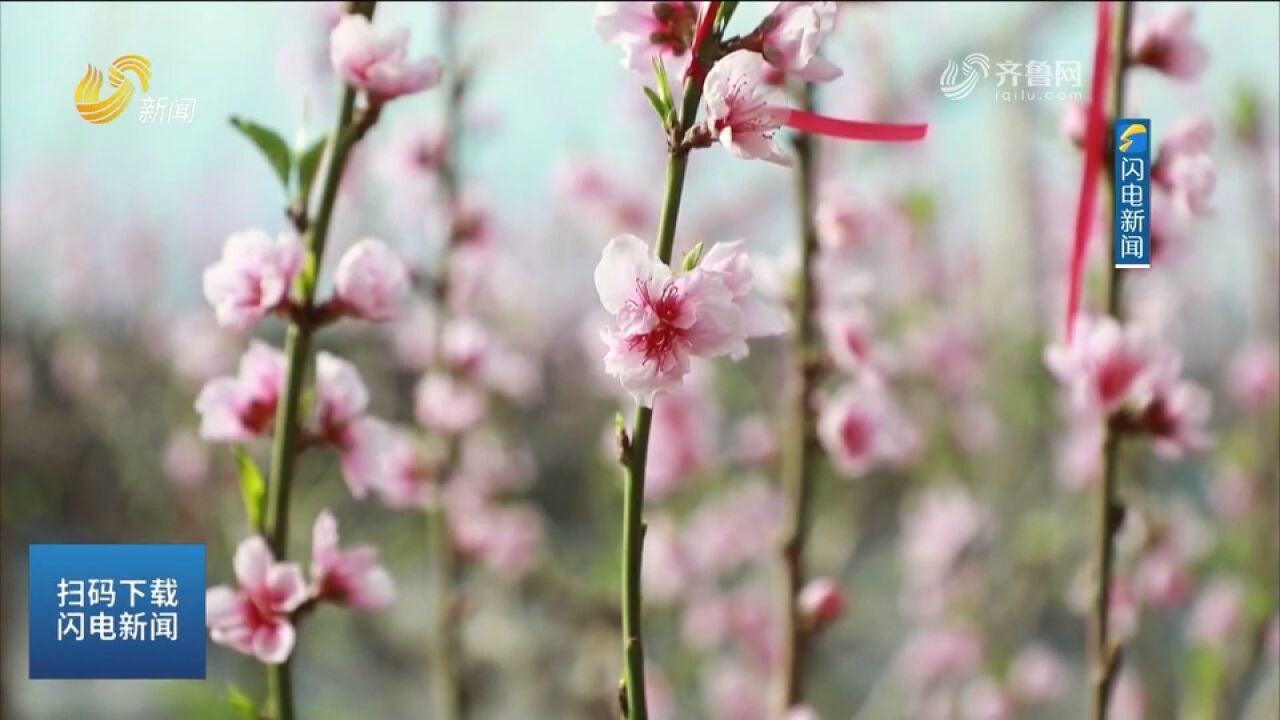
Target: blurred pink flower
984,699
341,395
1037,675
371,281
821,601
1164,42
1162,578
937,531
861,428
1271,637
194,345
1217,612
794,32
1128,698
754,441
347,577
743,112
657,692
408,478
933,654
362,446
255,619
374,60
186,459
1232,493
802,712
1254,377
734,692
414,337
645,31
949,352
661,321
252,278
682,442
1072,124
1079,453
1123,613
1176,412
236,409
850,339
846,225
446,404
665,569
761,317
507,539
1105,365
734,528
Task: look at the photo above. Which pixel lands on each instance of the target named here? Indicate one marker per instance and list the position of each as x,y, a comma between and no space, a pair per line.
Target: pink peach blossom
371,281
794,31
1164,42
646,31
236,409
742,111
1105,364
347,577
341,395
861,428
761,317
255,619
661,321
374,59
252,278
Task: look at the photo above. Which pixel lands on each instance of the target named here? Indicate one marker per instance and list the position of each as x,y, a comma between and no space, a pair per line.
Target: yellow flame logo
98,111
1126,137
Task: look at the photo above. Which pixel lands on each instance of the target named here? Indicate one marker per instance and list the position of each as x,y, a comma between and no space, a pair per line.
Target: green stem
446,689
284,450
802,442
1103,654
444,673
636,451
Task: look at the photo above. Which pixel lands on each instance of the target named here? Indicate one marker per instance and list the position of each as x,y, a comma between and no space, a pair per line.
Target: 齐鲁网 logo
102,111
959,79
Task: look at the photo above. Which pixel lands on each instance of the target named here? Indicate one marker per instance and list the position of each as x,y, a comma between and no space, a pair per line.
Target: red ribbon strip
852,129
699,37
1093,149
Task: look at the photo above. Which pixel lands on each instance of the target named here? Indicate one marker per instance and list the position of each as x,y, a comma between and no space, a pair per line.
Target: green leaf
270,144
308,163
691,258
253,490
656,102
664,90
241,703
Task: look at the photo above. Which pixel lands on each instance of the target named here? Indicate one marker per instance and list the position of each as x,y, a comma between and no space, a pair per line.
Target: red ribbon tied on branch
1095,121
